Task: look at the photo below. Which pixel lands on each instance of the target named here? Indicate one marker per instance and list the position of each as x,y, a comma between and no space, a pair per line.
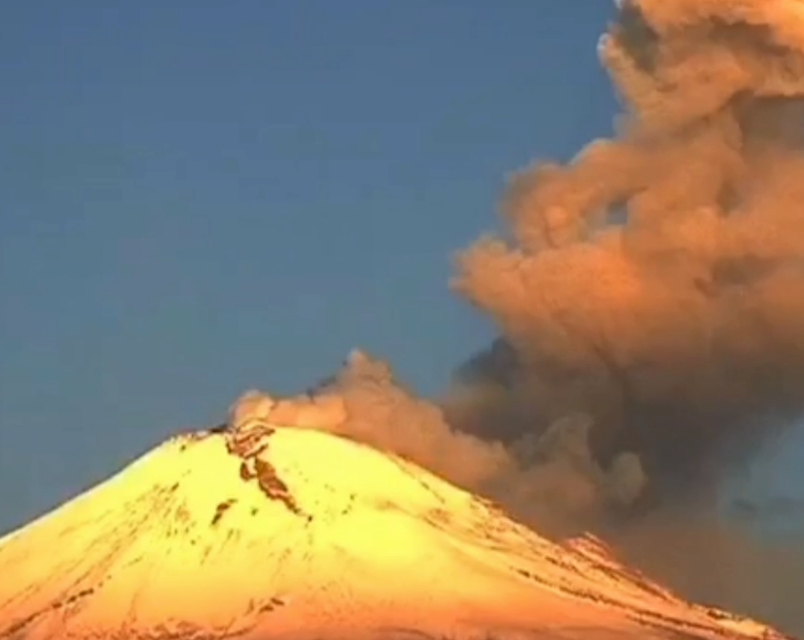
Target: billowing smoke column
655,284
650,301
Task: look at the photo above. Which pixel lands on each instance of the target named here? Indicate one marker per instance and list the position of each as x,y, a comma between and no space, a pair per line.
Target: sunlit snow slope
296,533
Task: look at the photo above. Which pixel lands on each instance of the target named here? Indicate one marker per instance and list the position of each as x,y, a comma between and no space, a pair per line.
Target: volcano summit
258,530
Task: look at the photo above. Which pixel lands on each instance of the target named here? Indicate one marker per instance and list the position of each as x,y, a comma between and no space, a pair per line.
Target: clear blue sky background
199,197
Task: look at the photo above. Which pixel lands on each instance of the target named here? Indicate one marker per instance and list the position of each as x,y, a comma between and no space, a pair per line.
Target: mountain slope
286,532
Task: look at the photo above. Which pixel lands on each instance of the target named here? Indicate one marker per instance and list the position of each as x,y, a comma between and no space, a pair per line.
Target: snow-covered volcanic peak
266,531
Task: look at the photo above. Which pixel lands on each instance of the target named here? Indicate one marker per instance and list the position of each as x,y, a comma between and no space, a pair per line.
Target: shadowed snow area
266,531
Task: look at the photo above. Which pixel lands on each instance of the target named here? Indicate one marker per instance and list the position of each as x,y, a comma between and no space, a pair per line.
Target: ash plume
656,282
649,297
654,285
365,401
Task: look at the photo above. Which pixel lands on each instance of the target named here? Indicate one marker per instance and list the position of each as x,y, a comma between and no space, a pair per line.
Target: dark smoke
678,331
654,289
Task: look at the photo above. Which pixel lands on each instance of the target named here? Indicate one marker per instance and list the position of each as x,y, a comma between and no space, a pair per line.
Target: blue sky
196,198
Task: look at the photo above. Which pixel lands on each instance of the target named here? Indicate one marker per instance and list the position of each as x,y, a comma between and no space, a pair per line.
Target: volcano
270,531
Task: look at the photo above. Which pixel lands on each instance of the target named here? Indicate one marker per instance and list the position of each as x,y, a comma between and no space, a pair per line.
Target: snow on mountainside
280,532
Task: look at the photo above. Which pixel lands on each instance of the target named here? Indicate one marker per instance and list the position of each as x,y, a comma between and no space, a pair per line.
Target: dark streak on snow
251,448
19,625
271,605
272,486
222,508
